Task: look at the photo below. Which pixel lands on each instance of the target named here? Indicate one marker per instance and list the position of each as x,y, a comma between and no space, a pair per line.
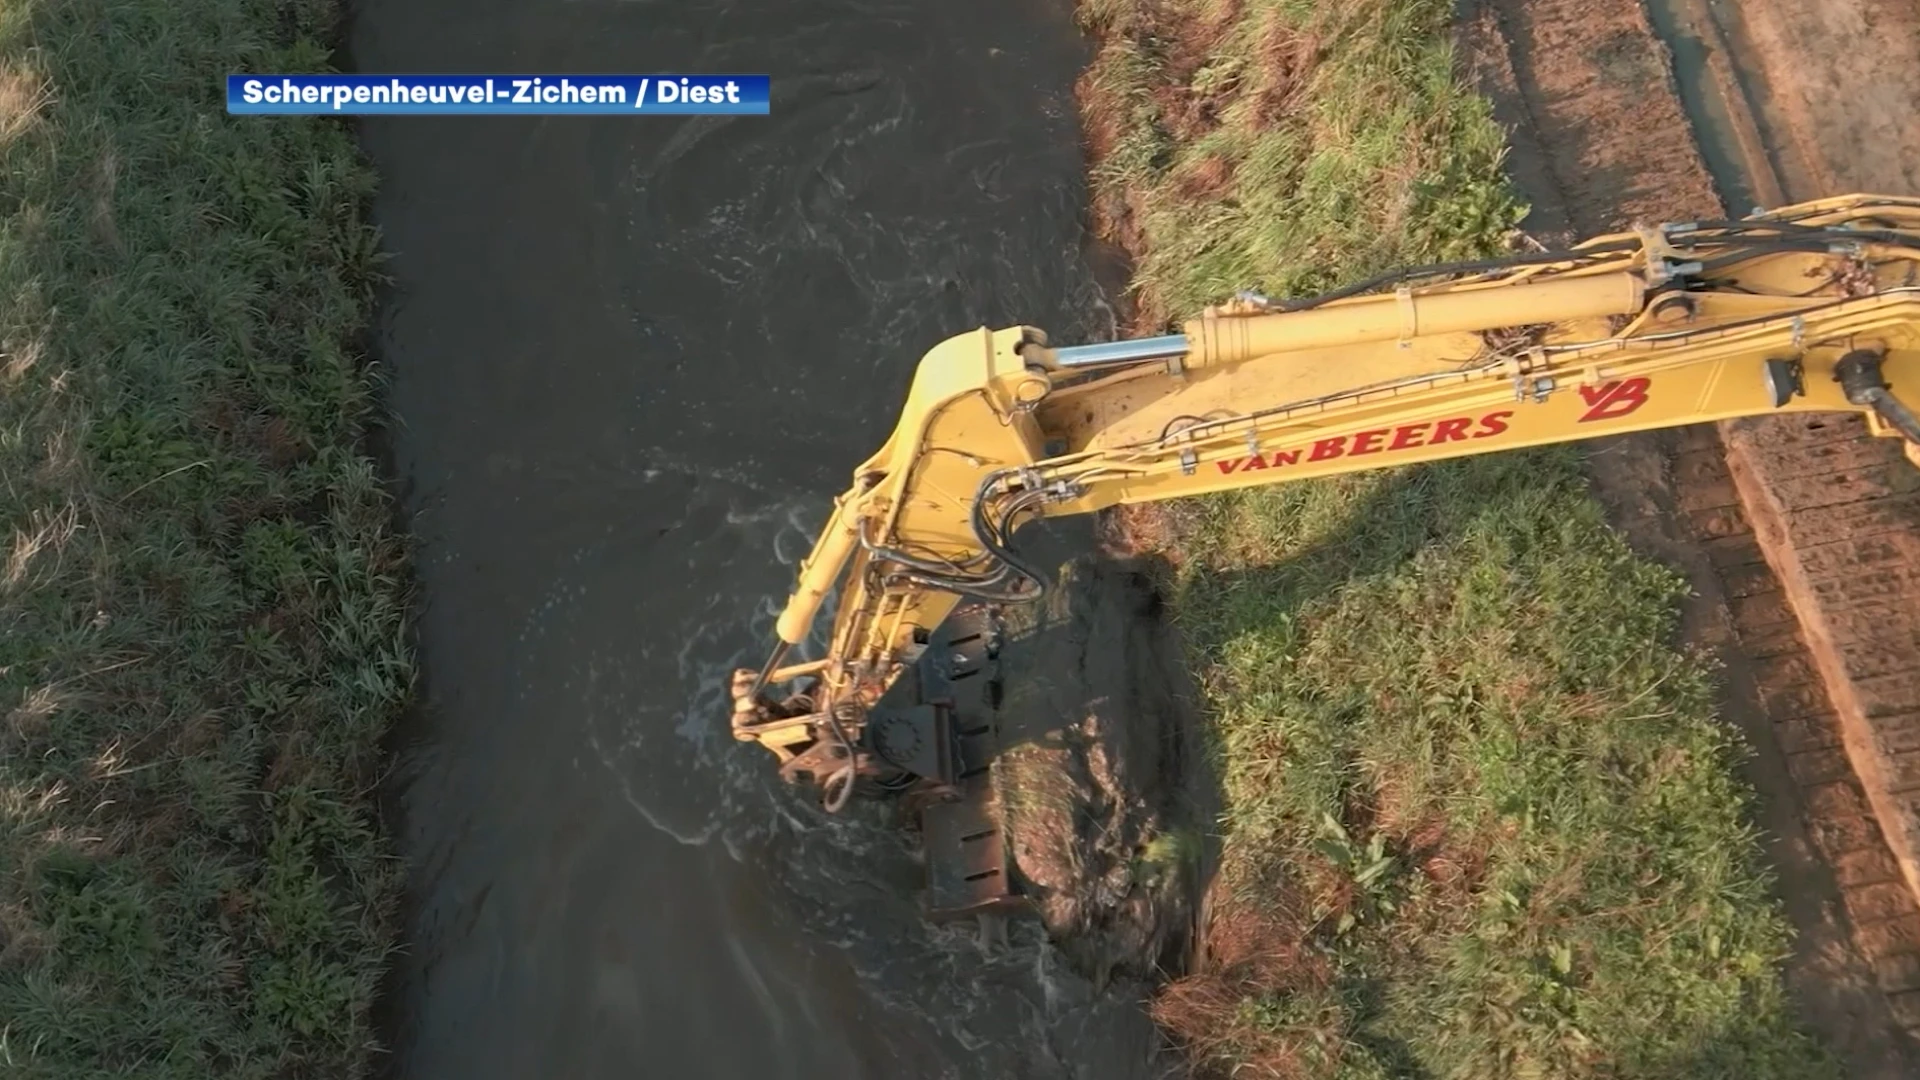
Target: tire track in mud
1602,140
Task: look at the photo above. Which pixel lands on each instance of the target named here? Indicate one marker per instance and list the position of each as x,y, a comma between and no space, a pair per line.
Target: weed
1369,871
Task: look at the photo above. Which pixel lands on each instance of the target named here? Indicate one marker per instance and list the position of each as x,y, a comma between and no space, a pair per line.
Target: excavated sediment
1102,775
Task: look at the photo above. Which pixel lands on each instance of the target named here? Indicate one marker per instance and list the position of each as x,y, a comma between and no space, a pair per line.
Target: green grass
1287,145
203,610
1481,819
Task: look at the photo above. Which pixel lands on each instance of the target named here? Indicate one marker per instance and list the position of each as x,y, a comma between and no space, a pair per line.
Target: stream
631,361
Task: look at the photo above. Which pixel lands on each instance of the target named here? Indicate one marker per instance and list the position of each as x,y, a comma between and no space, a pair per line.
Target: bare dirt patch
1591,85
1834,85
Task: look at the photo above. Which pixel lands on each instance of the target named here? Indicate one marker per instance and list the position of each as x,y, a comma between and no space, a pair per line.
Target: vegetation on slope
202,604
1481,819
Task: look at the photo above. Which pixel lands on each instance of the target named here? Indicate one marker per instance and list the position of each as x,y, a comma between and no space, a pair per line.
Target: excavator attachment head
932,738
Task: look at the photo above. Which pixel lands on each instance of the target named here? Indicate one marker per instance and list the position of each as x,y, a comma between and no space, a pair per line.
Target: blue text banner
497,95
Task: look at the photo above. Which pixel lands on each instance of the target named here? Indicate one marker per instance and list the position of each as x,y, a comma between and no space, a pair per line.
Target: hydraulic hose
1901,418
1395,277
839,790
1684,237
1862,381
835,797
990,586
995,540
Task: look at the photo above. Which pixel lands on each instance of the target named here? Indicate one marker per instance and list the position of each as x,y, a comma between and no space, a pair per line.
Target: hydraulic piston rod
1135,351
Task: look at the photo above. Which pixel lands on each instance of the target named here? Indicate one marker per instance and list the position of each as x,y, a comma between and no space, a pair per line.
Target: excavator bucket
940,723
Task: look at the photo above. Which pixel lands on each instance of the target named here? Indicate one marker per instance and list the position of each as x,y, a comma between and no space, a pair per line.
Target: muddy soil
1107,785
1609,131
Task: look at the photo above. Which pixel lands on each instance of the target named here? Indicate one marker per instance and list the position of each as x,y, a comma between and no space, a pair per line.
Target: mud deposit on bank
631,361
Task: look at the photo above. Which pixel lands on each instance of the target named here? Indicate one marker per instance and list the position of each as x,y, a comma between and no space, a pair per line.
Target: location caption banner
498,95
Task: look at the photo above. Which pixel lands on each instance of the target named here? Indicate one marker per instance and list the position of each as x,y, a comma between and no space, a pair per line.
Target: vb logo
1611,401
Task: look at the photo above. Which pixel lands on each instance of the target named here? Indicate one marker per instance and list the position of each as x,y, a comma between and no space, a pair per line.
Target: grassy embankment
203,608
1482,820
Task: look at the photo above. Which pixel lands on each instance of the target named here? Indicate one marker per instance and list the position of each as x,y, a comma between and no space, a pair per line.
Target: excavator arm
1811,308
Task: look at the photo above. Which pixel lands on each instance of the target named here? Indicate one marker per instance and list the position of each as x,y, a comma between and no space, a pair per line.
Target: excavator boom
1811,308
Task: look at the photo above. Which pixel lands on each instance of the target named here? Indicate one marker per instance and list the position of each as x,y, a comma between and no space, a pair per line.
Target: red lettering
1368,442
1406,435
1611,401
1371,442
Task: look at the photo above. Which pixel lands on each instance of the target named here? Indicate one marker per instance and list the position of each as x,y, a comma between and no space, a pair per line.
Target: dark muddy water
633,359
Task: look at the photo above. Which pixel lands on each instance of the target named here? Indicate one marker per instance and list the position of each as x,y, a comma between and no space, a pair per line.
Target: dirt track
1801,543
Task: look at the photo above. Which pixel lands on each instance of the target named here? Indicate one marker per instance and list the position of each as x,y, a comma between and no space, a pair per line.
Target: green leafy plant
1372,869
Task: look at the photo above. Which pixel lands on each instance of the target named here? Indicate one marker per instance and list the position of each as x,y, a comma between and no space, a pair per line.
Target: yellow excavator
1809,308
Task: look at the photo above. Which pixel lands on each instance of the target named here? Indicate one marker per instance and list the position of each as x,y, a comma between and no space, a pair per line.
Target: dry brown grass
1253,952
24,94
